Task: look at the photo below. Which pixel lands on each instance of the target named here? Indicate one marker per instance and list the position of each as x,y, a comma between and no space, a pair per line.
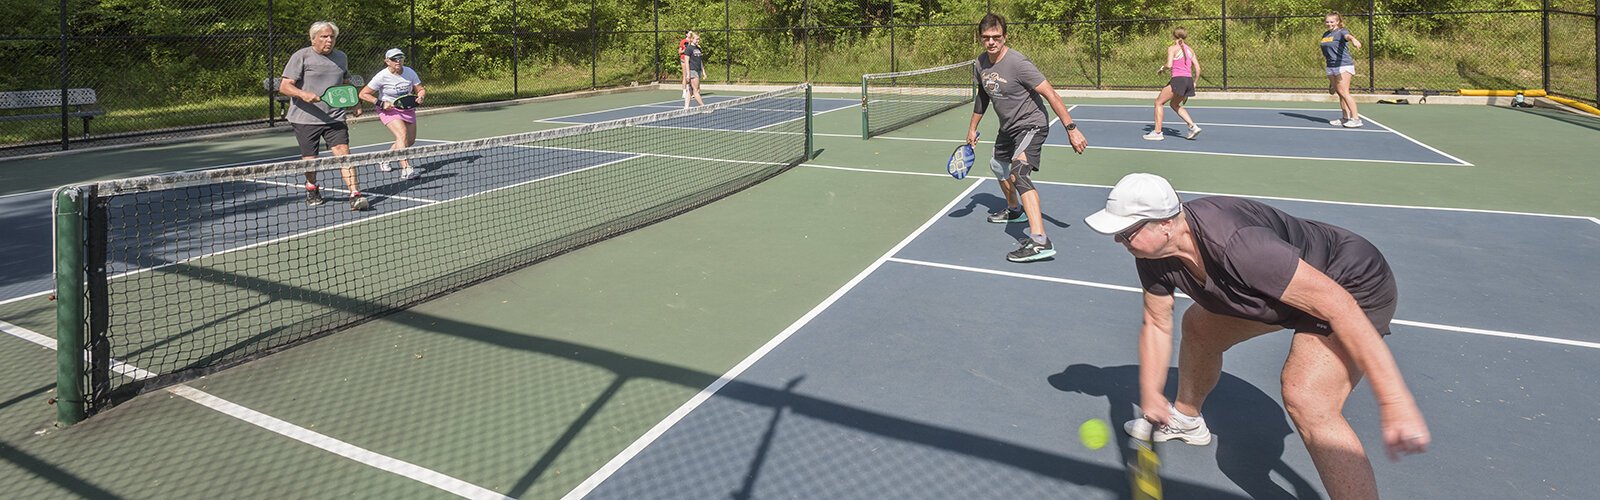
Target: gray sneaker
1008,216
1031,250
359,203
313,196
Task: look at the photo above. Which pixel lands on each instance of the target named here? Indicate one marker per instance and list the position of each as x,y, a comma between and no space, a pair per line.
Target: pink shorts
391,114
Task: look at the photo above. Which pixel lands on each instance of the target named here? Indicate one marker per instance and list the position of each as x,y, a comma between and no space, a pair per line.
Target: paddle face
960,161
341,96
1146,469
408,101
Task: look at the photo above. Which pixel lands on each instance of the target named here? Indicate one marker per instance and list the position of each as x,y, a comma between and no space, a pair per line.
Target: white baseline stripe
1268,156
278,426
345,191
1216,124
1120,288
616,463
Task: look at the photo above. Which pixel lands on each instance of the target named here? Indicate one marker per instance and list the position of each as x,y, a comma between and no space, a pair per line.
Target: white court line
278,426
1256,196
1316,158
1120,288
1216,124
1419,143
593,481
1210,107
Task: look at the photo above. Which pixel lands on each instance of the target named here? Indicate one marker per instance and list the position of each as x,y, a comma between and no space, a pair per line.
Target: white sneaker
409,173
1154,136
1198,435
1193,131
1337,123
385,167
1356,123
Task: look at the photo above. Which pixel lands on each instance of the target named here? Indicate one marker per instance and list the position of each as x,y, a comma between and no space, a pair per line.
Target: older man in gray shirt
310,72
1015,86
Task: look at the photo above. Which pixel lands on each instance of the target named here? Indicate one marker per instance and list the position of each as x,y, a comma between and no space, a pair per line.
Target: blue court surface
1255,132
945,371
739,118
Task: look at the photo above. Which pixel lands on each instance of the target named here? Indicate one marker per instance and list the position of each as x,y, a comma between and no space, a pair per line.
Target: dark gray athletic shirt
314,73
1009,85
696,64
1250,251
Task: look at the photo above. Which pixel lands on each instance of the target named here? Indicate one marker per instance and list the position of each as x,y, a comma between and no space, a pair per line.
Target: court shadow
1249,425
993,203
1591,123
1305,117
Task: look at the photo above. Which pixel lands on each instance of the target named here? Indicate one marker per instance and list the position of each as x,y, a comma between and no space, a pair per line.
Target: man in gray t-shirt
1018,90
310,72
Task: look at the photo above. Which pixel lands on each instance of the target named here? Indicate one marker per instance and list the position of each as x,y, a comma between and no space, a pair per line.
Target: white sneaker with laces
1195,433
1337,123
1193,131
1356,123
385,167
409,173
1154,136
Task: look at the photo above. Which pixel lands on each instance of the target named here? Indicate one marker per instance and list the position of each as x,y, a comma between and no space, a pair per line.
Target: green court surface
526,384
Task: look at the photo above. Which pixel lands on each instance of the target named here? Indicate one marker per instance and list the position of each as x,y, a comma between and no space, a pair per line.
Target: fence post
805,39
272,118
594,48
1097,44
1372,39
411,37
655,14
61,58
892,57
727,42
1596,53
1224,45
516,53
1544,16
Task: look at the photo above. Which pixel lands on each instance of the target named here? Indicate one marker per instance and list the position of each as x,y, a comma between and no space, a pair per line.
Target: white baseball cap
393,52
1137,197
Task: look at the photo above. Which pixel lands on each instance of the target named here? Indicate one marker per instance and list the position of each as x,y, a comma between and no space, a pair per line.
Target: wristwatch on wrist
1072,126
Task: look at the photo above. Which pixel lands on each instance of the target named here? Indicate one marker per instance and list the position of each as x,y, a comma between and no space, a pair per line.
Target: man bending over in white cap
1253,269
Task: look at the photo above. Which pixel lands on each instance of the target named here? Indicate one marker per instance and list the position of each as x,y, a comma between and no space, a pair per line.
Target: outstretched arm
1404,431
1074,136
1155,356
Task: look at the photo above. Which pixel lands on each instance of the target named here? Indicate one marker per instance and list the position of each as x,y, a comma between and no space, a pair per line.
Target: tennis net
893,100
184,274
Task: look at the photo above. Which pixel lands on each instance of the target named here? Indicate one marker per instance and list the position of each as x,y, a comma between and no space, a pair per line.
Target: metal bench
271,85
78,99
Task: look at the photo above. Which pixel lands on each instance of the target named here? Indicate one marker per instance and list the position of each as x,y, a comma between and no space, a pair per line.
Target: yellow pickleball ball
1094,433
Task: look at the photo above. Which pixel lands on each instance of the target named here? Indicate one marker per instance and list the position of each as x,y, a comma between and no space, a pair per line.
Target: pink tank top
1180,66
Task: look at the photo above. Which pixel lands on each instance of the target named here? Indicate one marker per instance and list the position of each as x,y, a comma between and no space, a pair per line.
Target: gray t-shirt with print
315,73
1009,84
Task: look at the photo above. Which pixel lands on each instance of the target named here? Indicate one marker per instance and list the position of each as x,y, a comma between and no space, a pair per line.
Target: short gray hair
318,26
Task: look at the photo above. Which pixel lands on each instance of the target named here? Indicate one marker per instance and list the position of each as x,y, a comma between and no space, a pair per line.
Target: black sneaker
359,203
1031,251
313,197
1007,216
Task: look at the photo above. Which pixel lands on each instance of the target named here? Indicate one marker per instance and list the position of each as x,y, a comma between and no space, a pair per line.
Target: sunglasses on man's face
1127,234
398,59
992,37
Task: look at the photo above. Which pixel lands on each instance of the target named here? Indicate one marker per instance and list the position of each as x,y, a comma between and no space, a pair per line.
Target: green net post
864,129
810,144
68,218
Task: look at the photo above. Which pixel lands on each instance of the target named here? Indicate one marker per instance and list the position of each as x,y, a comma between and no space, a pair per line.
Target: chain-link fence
92,72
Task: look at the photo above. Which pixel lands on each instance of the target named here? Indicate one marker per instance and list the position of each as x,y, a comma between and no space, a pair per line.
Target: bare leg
1206,335
1030,205
1161,100
1177,105
404,136
694,90
1345,101
1317,379
349,173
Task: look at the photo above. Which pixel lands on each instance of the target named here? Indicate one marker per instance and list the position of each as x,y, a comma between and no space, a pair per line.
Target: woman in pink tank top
1181,61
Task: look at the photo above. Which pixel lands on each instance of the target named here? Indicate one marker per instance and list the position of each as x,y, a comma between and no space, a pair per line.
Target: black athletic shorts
335,134
1182,86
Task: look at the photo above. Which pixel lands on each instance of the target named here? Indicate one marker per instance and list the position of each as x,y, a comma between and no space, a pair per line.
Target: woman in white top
392,82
